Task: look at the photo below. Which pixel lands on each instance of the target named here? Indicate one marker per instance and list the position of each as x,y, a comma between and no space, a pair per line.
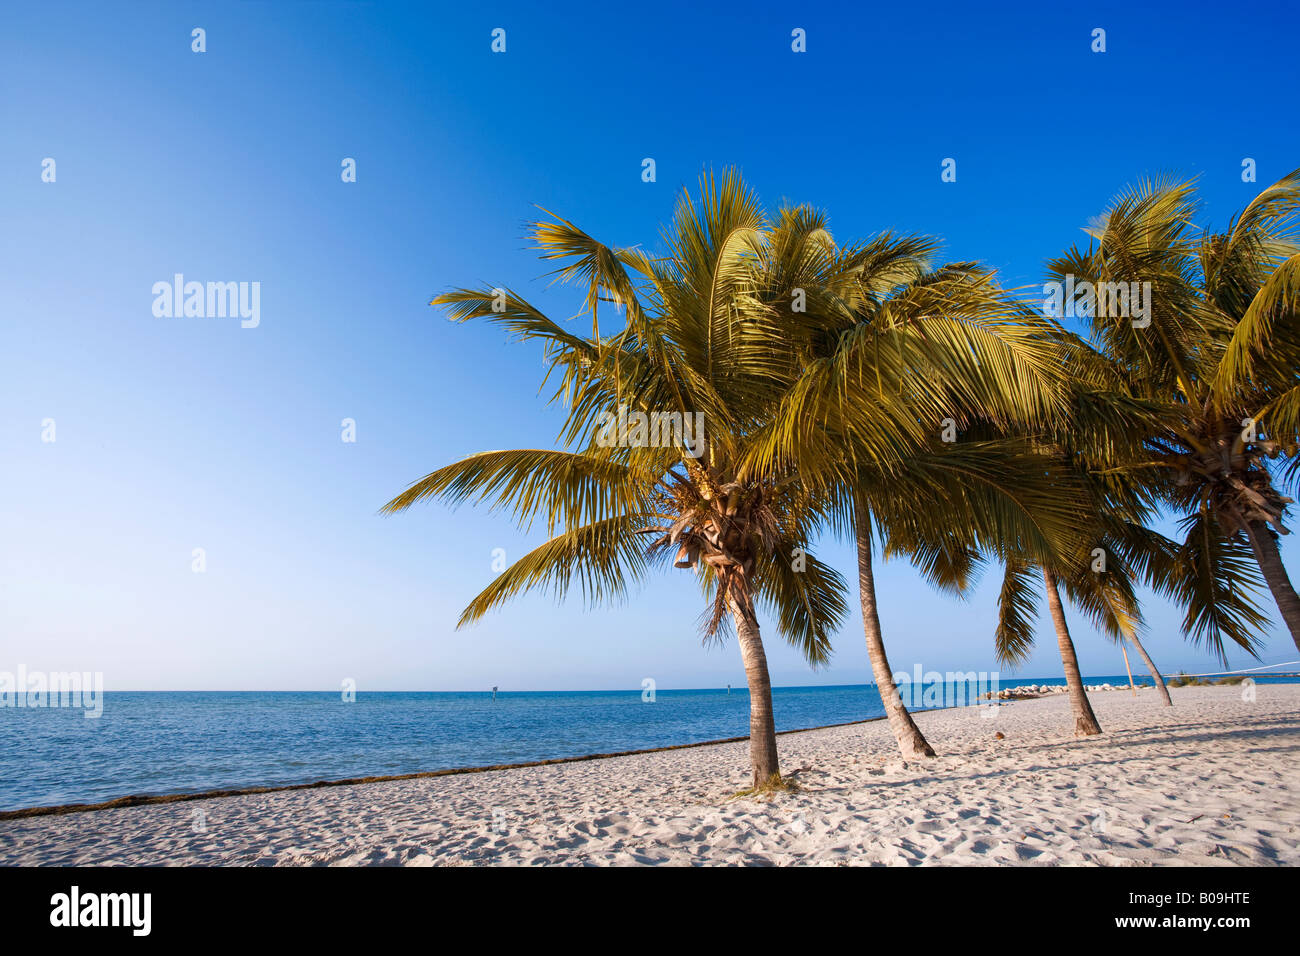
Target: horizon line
585,690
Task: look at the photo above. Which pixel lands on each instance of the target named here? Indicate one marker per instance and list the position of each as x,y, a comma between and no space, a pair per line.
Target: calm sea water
185,742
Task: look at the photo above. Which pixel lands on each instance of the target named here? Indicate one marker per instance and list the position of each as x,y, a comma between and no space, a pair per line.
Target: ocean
192,741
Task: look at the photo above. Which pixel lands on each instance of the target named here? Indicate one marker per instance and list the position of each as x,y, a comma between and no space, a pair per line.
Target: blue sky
176,434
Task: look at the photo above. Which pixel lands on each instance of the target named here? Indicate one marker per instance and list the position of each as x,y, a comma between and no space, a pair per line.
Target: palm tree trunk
762,725
1155,671
1270,562
1085,721
910,740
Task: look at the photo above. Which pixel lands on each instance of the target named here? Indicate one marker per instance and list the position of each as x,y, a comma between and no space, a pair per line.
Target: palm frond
1013,641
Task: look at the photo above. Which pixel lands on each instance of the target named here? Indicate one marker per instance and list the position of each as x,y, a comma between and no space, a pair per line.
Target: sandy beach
1211,782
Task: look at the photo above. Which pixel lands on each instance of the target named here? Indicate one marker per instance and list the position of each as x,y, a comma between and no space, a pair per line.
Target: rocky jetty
1042,690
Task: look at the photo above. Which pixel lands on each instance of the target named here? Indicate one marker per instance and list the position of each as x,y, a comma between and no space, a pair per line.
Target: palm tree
1112,545
893,356
1215,355
1105,591
696,341
1017,611
1102,434
985,497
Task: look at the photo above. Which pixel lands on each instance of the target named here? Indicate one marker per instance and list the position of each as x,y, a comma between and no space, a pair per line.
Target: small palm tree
1113,548
1103,585
697,340
1215,356
1017,612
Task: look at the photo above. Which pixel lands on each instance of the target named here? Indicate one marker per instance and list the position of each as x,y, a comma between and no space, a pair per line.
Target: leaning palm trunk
910,740
762,726
1270,563
1155,672
1085,721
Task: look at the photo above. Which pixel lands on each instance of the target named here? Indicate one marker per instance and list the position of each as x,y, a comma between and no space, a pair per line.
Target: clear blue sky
175,434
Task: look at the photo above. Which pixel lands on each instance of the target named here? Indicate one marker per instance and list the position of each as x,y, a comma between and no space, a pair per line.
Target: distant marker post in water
494,693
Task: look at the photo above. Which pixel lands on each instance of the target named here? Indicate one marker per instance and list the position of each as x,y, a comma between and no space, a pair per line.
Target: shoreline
141,800
149,799
1211,781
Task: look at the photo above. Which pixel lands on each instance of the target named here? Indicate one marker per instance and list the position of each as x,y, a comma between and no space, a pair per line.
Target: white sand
1212,781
